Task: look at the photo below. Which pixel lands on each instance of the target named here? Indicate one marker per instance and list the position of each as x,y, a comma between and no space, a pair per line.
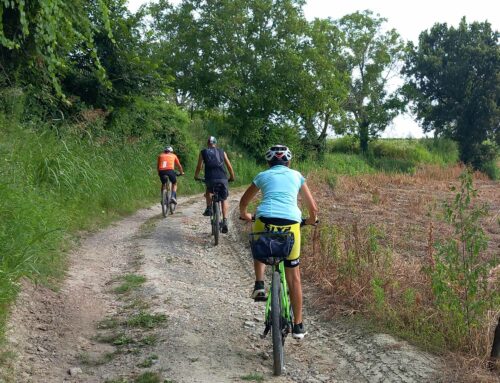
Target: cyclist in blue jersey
278,210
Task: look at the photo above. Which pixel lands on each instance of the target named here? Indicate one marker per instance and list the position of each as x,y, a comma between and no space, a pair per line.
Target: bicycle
216,207
272,248
166,198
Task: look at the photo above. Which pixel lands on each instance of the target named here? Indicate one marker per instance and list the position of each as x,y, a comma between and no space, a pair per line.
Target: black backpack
213,157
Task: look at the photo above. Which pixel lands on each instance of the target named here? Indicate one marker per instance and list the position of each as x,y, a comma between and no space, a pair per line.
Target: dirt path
152,295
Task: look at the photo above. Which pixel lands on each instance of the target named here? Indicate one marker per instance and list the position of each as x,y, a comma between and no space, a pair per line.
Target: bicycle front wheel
164,202
172,206
276,328
216,226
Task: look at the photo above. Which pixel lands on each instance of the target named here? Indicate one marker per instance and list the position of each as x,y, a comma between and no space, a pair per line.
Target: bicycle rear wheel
276,328
172,205
164,202
216,223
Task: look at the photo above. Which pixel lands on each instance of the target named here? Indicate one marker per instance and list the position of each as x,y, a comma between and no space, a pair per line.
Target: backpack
213,158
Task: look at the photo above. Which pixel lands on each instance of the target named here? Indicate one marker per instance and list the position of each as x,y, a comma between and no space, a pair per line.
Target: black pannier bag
271,247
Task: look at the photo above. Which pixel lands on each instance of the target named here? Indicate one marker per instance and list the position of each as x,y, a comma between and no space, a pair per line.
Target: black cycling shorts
167,174
219,186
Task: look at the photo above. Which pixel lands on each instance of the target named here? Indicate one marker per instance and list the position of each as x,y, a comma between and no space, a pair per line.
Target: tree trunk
363,137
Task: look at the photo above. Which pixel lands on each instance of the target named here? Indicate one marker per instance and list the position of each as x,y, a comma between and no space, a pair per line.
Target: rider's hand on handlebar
311,221
246,217
231,179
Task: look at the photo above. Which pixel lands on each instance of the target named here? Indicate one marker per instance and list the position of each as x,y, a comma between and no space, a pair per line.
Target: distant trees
321,83
270,74
373,58
234,55
453,78
266,66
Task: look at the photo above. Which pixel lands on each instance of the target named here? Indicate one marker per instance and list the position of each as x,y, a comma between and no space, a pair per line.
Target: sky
409,18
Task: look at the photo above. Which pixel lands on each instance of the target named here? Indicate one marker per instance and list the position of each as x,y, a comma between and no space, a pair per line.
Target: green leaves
50,32
459,278
372,57
453,81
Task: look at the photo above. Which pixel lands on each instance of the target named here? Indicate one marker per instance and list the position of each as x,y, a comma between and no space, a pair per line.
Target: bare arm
198,167
229,167
310,204
178,163
247,197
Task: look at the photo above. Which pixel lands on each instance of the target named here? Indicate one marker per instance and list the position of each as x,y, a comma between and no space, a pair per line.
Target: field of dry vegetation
377,253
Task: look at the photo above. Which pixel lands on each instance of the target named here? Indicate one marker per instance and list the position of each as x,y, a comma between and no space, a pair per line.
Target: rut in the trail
191,321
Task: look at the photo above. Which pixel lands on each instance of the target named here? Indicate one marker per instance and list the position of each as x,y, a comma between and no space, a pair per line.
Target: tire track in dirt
212,328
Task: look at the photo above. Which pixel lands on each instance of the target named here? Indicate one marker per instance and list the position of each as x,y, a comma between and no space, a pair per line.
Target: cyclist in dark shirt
213,160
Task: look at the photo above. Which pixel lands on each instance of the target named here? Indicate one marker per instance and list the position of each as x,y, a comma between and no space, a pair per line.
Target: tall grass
51,187
58,180
397,155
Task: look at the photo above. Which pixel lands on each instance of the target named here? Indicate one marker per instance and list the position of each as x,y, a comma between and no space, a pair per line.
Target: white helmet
168,149
212,140
280,152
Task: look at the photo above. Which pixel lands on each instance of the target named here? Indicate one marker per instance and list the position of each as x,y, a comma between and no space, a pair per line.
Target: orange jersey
167,161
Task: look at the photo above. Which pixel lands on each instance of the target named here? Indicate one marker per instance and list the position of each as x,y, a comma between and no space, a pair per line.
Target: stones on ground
74,371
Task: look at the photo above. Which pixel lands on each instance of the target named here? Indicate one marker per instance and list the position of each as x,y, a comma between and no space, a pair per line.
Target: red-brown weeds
343,265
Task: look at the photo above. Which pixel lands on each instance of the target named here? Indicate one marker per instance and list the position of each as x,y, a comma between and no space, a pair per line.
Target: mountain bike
272,248
166,198
216,206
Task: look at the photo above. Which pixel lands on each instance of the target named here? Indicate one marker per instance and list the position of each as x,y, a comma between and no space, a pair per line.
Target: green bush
156,120
443,148
346,144
52,187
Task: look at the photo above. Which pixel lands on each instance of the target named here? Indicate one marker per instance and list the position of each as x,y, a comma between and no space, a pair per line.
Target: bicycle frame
166,204
285,302
215,218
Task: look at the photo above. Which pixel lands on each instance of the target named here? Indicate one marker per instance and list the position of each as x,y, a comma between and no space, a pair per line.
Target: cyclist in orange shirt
167,161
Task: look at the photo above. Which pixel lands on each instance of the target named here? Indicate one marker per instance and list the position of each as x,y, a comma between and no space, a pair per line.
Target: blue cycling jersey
280,186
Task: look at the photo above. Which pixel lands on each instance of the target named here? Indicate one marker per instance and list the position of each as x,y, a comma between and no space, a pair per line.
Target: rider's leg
259,268
225,208
208,198
295,286
259,292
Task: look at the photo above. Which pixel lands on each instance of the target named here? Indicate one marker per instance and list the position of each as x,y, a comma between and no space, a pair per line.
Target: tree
373,58
454,80
37,36
321,82
234,55
126,55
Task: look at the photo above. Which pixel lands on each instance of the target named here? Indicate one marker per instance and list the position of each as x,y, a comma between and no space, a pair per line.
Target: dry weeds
406,209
